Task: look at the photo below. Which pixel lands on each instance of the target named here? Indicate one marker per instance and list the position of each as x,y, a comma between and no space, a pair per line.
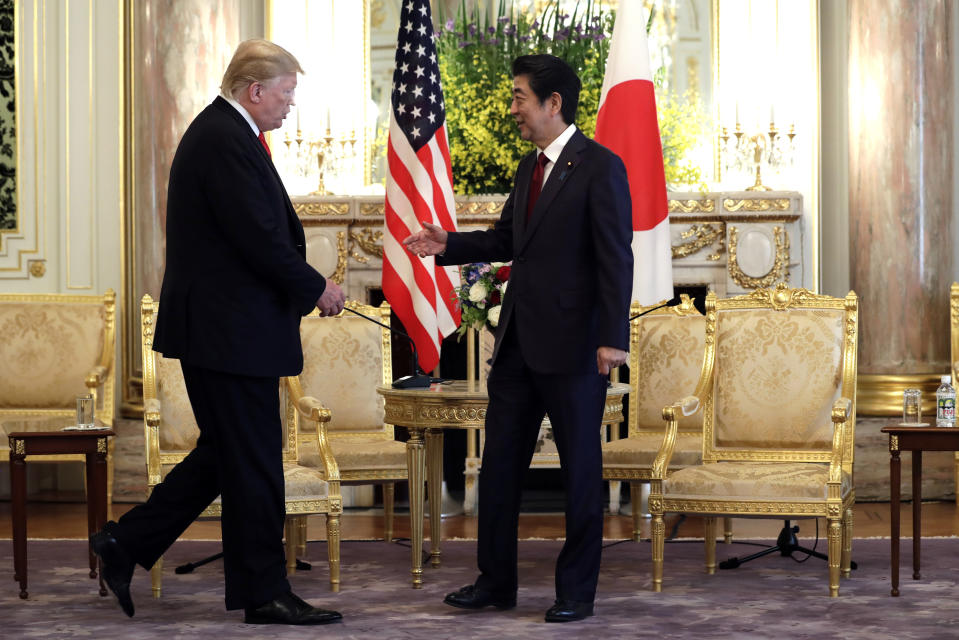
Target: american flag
419,187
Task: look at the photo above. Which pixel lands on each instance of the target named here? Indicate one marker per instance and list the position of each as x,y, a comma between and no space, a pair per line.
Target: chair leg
709,535
615,489
847,544
156,576
289,528
728,530
835,551
333,549
389,497
659,539
301,536
635,499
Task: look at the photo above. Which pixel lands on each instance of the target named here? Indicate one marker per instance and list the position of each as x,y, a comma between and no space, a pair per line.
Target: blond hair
256,61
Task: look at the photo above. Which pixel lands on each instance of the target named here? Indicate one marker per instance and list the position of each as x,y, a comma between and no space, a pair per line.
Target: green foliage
475,55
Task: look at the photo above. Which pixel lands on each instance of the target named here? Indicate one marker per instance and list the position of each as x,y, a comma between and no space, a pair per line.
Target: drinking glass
911,406
85,411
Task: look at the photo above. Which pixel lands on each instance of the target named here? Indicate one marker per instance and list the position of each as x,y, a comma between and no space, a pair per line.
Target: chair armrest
313,410
97,376
841,410
151,427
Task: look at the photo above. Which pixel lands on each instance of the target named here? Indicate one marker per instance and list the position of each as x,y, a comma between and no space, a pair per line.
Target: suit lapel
258,148
523,175
563,168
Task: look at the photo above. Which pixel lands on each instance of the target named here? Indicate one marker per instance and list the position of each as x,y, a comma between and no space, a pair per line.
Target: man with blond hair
235,287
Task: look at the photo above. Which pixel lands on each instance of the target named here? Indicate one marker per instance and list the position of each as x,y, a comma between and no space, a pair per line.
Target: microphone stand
418,380
674,302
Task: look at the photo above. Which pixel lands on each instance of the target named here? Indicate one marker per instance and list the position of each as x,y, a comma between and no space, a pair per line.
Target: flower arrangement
480,294
475,56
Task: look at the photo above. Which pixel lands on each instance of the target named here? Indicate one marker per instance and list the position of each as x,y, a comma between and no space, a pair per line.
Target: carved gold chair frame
159,458
835,500
100,380
367,453
631,459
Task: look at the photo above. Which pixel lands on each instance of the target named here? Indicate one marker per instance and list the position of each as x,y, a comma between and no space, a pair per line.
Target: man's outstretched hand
429,241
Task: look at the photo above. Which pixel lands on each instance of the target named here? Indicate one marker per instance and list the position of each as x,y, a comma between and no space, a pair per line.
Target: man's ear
254,91
555,103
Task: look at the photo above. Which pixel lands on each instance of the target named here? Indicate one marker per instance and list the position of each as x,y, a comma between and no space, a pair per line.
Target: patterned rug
773,597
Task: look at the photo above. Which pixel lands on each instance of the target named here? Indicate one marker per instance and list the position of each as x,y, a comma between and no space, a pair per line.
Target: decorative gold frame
296,508
835,508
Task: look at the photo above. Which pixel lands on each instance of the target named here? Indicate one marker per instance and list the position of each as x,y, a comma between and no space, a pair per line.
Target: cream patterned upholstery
171,433
54,348
345,358
778,398
666,360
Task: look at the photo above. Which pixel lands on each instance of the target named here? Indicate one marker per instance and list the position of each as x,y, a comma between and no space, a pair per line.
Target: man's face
271,101
532,117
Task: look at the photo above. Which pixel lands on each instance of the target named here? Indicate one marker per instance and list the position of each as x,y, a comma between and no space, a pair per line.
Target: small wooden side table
48,438
917,440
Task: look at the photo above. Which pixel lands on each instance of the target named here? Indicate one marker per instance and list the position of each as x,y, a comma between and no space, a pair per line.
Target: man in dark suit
235,287
567,228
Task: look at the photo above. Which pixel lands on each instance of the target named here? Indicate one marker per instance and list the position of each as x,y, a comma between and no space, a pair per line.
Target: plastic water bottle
946,403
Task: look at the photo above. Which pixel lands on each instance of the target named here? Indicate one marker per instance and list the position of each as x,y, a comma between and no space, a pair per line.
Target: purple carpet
773,597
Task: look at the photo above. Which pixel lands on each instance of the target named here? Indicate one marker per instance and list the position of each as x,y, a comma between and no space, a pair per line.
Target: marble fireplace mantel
731,242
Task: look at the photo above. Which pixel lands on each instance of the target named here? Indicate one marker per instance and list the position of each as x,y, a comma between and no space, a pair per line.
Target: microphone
418,380
698,303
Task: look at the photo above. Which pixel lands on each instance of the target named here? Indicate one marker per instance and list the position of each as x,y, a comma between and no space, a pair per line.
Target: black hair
547,75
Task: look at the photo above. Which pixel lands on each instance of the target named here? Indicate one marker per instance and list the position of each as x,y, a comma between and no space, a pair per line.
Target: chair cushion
304,482
778,375
47,351
766,481
639,451
178,430
670,365
360,453
342,366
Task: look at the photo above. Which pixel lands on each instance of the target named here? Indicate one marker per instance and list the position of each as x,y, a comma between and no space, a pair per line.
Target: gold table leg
416,466
434,482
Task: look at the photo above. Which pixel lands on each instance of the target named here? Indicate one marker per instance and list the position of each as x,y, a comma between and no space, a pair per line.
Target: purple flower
472,29
491,30
503,19
524,38
450,24
463,44
493,41
534,25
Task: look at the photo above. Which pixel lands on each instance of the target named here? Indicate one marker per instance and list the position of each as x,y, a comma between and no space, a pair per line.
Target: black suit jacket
236,281
571,279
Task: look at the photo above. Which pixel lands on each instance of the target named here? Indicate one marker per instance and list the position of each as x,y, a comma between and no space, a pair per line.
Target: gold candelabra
327,151
748,152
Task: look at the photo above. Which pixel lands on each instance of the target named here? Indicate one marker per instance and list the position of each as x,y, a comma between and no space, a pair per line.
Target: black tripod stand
190,566
786,544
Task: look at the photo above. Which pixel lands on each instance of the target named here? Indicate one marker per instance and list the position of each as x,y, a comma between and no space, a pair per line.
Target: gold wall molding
706,205
38,268
881,394
321,208
761,204
372,209
370,241
778,272
699,237
339,276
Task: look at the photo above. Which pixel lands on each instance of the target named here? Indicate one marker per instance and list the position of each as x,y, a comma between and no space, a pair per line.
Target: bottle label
946,409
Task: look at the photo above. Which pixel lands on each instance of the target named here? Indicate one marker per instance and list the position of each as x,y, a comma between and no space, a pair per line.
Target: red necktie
262,139
536,183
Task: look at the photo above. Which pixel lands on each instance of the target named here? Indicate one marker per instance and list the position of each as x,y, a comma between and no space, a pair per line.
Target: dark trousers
238,456
518,400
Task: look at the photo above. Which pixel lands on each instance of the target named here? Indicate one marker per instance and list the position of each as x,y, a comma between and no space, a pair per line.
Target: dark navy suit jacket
572,273
236,281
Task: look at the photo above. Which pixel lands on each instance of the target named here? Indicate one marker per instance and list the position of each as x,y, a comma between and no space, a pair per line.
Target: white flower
502,290
478,292
493,315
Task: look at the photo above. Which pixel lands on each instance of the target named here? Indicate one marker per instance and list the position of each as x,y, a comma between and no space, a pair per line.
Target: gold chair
54,348
665,360
345,358
778,395
171,434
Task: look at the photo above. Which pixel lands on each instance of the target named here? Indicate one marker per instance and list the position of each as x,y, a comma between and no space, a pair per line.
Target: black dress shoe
116,567
473,597
289,609
568,611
